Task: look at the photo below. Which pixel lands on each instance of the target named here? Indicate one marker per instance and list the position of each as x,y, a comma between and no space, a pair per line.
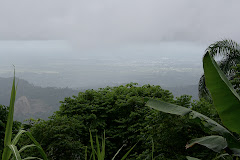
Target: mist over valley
56,64
49,71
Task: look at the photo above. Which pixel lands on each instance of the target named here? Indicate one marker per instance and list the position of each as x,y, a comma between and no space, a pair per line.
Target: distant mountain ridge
38,102
33,101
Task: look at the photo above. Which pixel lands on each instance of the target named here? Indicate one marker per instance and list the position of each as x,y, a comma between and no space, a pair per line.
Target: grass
98,152
10,150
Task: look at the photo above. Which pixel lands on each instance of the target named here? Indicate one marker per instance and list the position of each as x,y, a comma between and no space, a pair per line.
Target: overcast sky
92,23
33,31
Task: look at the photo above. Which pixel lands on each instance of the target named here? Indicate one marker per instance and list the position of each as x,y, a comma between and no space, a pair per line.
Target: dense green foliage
122,113
226,101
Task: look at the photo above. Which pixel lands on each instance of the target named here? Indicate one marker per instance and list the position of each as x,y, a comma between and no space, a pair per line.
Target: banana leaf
192,158
207,122
183,111
226,100
215,143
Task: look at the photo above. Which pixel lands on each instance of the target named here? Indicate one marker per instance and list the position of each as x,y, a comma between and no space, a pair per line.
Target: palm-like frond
230,52
228,62
223,48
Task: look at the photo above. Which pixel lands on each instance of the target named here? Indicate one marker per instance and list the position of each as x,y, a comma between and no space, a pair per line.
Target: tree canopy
120,112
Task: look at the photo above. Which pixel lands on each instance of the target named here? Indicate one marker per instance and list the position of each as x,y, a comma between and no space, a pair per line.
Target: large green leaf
182,111
215,143
225,98
204,120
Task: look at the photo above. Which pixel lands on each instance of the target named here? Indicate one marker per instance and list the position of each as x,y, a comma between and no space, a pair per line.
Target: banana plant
10,150
227,103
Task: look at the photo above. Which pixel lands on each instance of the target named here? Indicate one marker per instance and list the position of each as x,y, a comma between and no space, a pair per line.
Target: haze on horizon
80,43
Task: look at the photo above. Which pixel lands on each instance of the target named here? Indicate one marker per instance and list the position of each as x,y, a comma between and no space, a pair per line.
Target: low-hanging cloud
103,22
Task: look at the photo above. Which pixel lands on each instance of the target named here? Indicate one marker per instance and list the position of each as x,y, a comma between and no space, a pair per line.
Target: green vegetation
10,148
229,52
122,114
120,111
99,152
3,121
226,101
116,122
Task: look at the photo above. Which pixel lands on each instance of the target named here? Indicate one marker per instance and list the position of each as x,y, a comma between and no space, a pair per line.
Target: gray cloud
104,22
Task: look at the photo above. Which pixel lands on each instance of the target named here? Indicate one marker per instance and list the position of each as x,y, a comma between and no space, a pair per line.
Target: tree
120,112
229,52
